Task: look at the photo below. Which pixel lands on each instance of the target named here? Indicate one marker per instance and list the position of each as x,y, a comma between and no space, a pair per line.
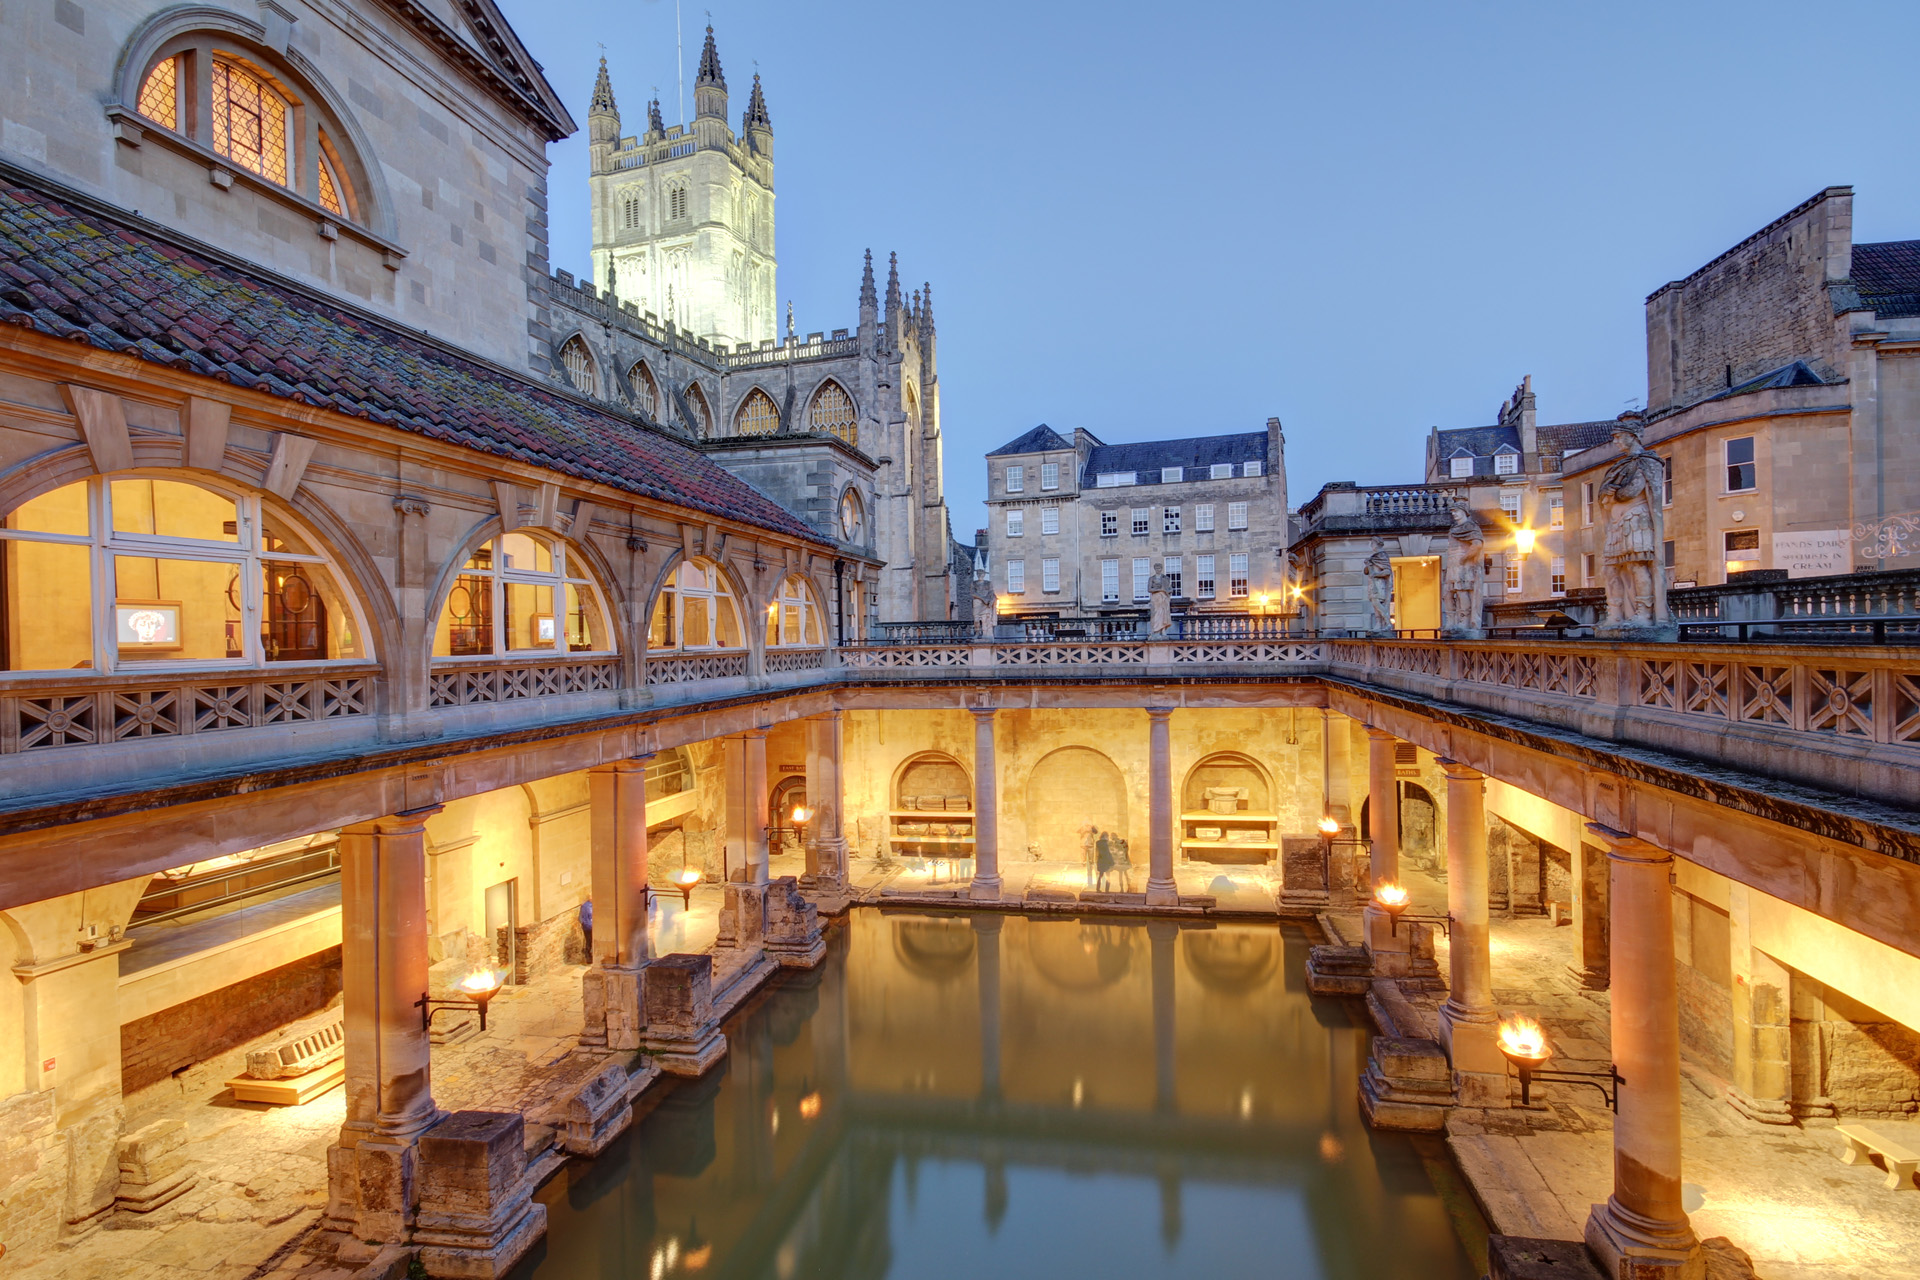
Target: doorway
503,909
1416,593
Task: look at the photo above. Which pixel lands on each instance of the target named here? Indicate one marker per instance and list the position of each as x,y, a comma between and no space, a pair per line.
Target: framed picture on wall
543,632
149,626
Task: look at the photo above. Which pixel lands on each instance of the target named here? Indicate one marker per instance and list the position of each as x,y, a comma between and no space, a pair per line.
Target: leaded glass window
758,416
832,412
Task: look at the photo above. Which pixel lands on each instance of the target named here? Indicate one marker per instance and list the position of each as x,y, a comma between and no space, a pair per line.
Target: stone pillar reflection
1163,936
827,841
986,808
1390,947
1161,890
986,935
1467,1019
389,1094
753,784
618,796
1643,1229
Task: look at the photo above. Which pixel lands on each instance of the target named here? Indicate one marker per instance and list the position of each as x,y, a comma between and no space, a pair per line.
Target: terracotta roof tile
80,275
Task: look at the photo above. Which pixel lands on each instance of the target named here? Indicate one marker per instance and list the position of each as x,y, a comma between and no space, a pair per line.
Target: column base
1162,893
984,889
1630,1247
682,1036
611,998
477,1214
1407,1087
743,914
370,1189
792,926
1590,977
1470,1040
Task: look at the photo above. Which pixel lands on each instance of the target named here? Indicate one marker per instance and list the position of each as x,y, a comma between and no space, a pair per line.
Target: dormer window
1506,462
1460,466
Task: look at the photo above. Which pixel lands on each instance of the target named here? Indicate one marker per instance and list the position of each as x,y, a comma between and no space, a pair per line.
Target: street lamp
1523,1042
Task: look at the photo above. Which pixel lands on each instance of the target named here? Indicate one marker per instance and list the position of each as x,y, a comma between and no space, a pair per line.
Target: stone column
1336,744
754,788
611,988
1162,937
1390,947
986,941
1468,1018
1642,1231
827,843
371,1171
1762,1021
1161,890
986,809
1589,875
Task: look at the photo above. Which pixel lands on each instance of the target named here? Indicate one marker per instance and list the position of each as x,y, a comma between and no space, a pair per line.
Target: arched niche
1231,961
931,773
1079,956
1228,770
1069,789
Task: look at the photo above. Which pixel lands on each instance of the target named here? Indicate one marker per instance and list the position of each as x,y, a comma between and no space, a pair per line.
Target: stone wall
155,1047
33,1172
1848,1059
1703,950
547,945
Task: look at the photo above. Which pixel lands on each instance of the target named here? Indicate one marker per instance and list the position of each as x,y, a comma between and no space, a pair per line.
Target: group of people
1106,857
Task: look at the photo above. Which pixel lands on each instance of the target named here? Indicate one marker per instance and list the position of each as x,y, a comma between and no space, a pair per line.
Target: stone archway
1071,788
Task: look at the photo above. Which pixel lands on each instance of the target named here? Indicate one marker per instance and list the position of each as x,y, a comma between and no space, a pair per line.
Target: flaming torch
684,880
480,986
1393,900
1524,1043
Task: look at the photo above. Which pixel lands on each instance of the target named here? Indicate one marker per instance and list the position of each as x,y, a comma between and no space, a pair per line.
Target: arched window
521,594
758,416
832,412
646,392
677,202
696,610
853,518
578,362
913,406
793,621
702,423
106,573
255,120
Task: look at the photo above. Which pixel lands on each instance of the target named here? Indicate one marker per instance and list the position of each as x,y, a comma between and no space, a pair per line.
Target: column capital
984,713
1160,713
1622,847
1459,771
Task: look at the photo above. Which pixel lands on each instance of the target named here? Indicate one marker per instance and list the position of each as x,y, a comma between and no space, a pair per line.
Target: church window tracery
677,202
831,411
646,391
702,411
758,416
578,362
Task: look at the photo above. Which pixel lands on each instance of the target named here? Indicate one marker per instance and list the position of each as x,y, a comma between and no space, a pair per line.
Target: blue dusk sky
1365,219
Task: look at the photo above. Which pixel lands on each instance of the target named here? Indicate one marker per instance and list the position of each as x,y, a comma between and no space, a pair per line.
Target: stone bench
296,1071
1897,1144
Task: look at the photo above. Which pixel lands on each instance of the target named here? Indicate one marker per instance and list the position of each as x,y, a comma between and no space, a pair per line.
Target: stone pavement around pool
1779,1192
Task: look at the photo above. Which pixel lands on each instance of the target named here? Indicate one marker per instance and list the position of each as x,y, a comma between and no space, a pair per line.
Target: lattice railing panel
471,685
796,659
680,670
135,712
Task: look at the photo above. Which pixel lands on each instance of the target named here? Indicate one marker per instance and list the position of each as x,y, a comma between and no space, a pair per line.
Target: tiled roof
1888,277
91,278
1560,438
1797,374
1039,440
1569,437
1479,441
1146,457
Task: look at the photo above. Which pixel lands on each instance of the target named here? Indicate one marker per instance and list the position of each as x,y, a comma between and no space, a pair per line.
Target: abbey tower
683,216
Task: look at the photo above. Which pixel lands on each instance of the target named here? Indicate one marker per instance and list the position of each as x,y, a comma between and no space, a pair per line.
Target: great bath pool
994,1097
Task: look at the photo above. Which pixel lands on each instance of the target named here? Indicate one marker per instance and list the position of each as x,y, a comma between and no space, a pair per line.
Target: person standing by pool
586,926
1087,837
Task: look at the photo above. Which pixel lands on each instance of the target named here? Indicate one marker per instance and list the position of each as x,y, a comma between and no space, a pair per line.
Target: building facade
1079,526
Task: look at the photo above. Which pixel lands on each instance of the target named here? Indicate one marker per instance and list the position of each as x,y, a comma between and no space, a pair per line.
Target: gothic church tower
683,216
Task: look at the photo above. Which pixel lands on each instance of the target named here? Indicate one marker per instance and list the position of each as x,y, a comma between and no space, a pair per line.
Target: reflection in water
1004,1096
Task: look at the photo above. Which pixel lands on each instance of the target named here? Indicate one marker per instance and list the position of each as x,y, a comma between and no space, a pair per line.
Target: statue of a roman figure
1630,508
1464,570
1159,604
986,610
1379,573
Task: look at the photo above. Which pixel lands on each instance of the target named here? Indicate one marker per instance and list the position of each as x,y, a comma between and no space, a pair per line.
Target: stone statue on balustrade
1159,604
1465,574
986,610
1629,497
1379,574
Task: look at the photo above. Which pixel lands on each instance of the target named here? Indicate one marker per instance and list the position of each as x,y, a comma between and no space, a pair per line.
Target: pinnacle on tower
893,283
654,123
603,92
926,313
710,72
710,87
868,297
756,109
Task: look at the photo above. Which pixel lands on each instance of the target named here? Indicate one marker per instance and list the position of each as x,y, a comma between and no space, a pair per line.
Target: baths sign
1808,553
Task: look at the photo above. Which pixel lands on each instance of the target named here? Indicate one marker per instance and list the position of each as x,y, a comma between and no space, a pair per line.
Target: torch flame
1328,826
810,1105
1390,895
481,982
1524,1038
800,814
686,877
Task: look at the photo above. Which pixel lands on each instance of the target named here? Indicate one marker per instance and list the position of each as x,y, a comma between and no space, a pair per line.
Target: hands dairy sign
1810,553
